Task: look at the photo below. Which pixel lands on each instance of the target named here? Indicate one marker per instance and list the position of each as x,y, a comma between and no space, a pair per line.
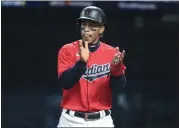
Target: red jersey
92,92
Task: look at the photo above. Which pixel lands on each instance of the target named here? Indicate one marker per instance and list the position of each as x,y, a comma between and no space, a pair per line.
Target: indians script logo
96,71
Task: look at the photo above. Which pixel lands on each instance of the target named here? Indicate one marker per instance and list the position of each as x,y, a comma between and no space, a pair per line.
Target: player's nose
86,29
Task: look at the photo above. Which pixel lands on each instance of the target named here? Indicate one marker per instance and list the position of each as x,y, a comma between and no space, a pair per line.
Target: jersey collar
94,47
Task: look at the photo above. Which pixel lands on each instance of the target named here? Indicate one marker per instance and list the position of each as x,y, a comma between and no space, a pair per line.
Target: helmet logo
93,14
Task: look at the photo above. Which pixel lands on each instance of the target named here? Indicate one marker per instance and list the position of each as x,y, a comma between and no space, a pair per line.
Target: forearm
71,76
118,81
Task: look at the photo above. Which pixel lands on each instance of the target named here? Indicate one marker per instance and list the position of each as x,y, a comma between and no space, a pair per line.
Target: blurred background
33,33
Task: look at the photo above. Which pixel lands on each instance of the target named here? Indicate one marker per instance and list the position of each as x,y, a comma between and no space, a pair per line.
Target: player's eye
83,24
91,25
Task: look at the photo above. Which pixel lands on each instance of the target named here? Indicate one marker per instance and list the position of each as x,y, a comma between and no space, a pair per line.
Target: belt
89,116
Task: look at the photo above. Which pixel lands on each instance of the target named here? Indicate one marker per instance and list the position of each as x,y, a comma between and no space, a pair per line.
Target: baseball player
87,70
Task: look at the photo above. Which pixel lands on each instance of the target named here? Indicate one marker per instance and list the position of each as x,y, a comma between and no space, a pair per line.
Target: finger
120,57
123,53
117,49
86,44
80,45
117,54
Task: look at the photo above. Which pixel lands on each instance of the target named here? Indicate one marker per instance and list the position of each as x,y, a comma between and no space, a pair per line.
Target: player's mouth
86,37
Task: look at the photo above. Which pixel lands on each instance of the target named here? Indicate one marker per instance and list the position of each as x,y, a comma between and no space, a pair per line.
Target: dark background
33,35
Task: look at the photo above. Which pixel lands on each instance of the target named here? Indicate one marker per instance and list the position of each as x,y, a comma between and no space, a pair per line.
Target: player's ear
101,30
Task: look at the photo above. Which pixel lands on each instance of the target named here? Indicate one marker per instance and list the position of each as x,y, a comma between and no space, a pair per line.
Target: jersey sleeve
65,59
69,70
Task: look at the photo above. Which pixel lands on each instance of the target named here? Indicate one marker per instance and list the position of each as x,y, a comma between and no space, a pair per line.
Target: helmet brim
87,18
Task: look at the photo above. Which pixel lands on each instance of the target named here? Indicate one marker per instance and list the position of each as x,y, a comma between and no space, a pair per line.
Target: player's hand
84,51
118,57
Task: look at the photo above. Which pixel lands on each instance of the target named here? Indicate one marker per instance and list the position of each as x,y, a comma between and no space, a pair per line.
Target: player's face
90,31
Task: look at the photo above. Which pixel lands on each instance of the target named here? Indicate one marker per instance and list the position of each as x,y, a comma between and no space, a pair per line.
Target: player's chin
90,42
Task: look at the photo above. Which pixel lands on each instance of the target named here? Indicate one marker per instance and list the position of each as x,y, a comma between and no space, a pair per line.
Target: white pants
69,120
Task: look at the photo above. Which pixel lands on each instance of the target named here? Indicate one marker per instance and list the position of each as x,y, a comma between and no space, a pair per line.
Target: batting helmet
94,14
